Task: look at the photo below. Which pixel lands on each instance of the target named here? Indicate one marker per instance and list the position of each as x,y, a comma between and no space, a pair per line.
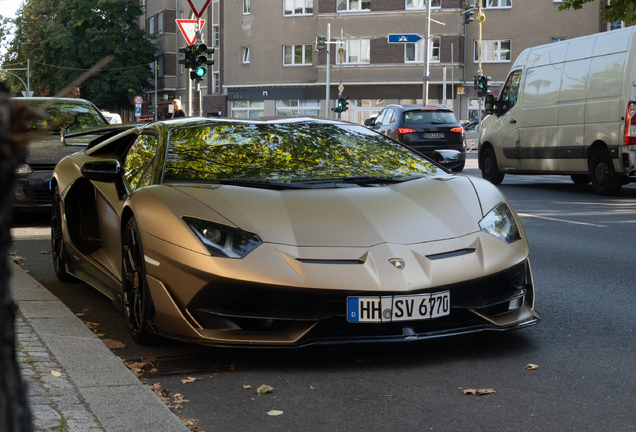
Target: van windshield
429,117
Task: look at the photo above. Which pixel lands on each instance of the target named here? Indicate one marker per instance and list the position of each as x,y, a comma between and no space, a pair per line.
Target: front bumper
32,191
273,302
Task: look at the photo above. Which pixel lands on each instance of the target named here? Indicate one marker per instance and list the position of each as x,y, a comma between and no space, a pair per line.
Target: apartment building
272,69
159,22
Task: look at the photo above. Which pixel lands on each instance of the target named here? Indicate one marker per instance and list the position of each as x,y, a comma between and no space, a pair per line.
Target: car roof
53,99
254,120
415,106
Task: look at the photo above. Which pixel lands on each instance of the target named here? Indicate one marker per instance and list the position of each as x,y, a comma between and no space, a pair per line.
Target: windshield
69,116
288,152
429,116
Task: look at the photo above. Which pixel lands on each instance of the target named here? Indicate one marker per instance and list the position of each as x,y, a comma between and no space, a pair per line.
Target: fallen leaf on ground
56,373
274,413
113,344
45,252
247,386
17,259
153,370
179,398
479,392
264,388
531,366
190,380
79,314
191,424
138,368
311,387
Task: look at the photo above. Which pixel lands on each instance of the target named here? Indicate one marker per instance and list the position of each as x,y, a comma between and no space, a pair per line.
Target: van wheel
605,181
581,179
490,170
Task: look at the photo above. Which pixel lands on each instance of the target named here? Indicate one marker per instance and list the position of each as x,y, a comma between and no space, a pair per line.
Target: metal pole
444,88
328,79
156,104
452,80
29,77
427,37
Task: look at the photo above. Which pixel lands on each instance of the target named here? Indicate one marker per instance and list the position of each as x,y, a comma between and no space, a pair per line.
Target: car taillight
457,130
405,130
630,125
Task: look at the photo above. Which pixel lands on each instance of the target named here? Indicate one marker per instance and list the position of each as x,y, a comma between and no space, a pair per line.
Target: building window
357,51
217,36
246,7
217,82
354,5
248,109
421,4
305,107
297,55
492,51
298,7
151,26
414,52
160,66
245,54
616,25
554,39
160,23
497,3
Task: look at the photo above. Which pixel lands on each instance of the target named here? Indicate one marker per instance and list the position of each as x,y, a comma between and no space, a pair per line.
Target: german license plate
433,135
398,308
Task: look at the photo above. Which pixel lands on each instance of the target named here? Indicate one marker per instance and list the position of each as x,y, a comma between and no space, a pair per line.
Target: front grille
40,196
42,167
276,309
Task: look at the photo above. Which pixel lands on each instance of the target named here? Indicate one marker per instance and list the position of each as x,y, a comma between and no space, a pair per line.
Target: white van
567,108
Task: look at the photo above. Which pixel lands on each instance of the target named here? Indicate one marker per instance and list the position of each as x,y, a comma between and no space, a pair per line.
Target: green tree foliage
63,38
616,10
5,31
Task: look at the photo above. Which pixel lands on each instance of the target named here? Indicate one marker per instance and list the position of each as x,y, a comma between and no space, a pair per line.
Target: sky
8,8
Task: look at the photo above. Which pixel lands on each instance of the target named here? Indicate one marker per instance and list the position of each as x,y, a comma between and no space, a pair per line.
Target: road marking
31,233
562,220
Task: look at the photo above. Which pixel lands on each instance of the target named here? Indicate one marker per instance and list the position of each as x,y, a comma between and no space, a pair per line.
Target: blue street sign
404,38
137,110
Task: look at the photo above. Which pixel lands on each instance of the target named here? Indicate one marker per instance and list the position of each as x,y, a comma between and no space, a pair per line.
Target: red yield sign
189,29
198,6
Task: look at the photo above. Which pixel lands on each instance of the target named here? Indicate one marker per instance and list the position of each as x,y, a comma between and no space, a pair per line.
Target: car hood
416,211
48,150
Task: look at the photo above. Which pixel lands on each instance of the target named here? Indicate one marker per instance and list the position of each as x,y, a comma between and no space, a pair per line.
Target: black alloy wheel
60,256
138,306
490,170
605,181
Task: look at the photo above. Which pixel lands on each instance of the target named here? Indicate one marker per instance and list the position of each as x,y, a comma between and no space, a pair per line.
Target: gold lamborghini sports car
287,232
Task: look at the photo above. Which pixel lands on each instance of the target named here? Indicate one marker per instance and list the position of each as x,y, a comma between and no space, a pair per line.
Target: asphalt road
582,256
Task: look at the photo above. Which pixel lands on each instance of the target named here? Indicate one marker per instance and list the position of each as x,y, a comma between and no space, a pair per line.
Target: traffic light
343,104
187,58
482,86
200,60
151,108
320,42
469,12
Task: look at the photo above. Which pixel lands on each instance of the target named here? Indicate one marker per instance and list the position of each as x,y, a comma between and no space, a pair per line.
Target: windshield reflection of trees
287,153
67,116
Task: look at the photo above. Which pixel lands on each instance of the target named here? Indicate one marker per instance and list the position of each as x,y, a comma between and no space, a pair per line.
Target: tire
138,307
490,170
605,181
459,168
60,255
581,179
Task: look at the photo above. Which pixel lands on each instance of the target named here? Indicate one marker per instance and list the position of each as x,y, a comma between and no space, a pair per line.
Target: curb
117,399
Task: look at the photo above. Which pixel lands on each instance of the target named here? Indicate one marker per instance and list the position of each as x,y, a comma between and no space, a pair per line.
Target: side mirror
369,121
106,170
490,105
449,159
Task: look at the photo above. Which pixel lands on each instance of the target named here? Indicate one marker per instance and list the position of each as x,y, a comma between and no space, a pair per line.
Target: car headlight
23,169
223,241
500,222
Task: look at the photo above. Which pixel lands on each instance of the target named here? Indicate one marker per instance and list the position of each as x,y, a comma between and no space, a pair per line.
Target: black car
423,128
64,129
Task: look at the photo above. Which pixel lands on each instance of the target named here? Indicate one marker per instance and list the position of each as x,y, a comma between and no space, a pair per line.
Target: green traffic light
201,71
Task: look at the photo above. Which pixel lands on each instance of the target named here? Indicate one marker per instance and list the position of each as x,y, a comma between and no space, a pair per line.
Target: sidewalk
94,391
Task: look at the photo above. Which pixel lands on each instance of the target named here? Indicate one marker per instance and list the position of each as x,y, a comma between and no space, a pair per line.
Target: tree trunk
15,415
